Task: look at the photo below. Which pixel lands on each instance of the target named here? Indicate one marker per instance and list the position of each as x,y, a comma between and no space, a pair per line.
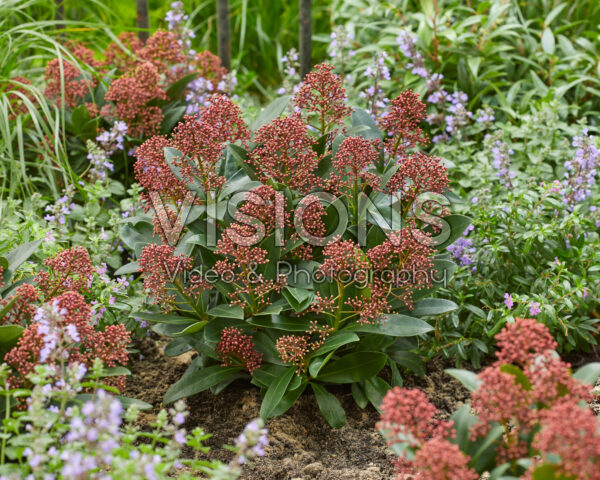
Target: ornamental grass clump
528,418
296,250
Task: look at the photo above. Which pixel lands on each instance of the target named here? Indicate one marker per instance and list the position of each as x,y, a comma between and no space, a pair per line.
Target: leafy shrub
504,54
527,418
340,204
31,334
534,238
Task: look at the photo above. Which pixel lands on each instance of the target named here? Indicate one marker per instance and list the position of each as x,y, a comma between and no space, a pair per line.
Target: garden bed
302,445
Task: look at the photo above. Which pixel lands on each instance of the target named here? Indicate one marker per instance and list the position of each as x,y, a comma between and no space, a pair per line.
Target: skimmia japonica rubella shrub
528,418
111,101
300,250
47,319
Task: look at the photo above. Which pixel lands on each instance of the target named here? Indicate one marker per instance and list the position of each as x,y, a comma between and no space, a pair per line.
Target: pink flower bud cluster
130,96
67,333
201,139
529,391
293,349
351,165
418,173
402,123
70,269
238,349
160,269
285,155
322,97
22,310
15,94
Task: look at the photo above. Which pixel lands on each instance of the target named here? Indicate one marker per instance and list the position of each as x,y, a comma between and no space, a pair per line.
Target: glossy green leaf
198,381
275,393
433,306
270,112
227,311
588,373
469,379
354,367
330,406
395,325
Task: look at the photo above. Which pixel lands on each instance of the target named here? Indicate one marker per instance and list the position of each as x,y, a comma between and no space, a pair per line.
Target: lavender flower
339,47
57,212
251,442
463,249
501,153
290,64
581,170
534,308
374,94
407,43
508,301
176,19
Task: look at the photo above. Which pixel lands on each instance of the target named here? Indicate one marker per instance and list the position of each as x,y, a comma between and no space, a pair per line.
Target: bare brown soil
302,445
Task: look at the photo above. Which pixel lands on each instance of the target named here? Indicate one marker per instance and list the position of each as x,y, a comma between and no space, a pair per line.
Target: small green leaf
20,254
336,340
193,328
376,388
128,268
354,367
280,322
588,373
176,347
275,393
227,311
330,406
359,395
270,112
395,325
9,336
520,377
469,379
198,381
548,42
433,306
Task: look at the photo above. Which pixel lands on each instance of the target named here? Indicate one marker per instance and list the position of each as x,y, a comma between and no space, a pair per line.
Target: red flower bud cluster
238,349
343,257
130,95
404,262
66,83
501,399
351,165
109,345
160,267
201,147
123,58
70,269
22,310
322,96
209,66
285,155
418,173
15,94
529,391
153,173
293,349
226,119
402,123
201,139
